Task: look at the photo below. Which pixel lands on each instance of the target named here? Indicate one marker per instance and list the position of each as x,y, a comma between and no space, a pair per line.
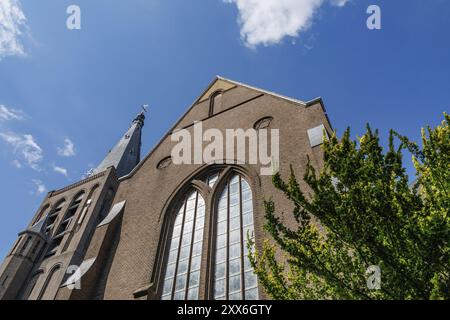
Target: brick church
152,229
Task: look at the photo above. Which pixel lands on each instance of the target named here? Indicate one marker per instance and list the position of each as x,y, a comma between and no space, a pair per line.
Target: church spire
126,154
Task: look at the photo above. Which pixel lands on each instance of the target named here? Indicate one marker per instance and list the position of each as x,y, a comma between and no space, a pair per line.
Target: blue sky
66,96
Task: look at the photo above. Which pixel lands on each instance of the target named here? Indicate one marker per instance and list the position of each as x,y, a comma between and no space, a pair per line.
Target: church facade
154,229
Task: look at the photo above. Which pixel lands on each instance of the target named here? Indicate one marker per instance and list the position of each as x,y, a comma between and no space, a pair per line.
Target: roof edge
261,90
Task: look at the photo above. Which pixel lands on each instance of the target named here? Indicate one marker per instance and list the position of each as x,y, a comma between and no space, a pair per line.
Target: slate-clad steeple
126,154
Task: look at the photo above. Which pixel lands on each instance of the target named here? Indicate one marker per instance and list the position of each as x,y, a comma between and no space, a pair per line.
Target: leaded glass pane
170,271
198,235
235,296
197,249
235,250
193,293
221,241
219,287
250,279
195,263
212,180
167,289
221,255
235,266
220,271
235,283
180,282
194,278
182,266
184,252
251,294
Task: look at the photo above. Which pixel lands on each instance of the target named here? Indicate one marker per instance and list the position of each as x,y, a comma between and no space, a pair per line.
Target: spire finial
141,116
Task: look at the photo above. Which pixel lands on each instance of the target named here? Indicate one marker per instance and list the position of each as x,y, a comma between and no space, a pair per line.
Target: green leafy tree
360,214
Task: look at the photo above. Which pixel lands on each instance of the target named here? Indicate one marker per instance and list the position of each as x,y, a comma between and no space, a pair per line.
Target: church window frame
213,102
211,190
184,252
233,278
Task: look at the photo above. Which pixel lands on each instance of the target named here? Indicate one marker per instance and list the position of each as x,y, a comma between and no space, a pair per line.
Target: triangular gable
218,84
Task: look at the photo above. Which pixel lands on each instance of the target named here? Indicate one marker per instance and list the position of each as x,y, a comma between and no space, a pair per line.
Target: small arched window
182,274
64,225
53,215
41,214
233,277
87,205
215,102
52,282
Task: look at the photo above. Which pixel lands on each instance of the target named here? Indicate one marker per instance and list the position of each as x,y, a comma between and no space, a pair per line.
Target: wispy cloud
25,148
7,114
13,25
267,22
68,150
339,3
16,163
60,170
39,185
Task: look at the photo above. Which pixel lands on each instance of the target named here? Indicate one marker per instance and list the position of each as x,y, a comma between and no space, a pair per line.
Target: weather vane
145,107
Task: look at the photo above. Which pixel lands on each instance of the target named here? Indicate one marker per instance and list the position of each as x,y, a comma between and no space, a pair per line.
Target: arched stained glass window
182,275
234,278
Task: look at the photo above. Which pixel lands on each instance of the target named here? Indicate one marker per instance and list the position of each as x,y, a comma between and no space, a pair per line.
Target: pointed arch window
48,291
41,214
233,277
182,275
64,225
70,214
53,215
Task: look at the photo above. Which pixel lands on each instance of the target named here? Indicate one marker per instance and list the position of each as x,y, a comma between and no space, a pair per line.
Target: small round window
164,163
263,123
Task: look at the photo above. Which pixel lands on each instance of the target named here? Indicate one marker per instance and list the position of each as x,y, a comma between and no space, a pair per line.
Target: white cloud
267,22
16,163
7,114
25,148
68,150
61,170
40,187
13,24
339,3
